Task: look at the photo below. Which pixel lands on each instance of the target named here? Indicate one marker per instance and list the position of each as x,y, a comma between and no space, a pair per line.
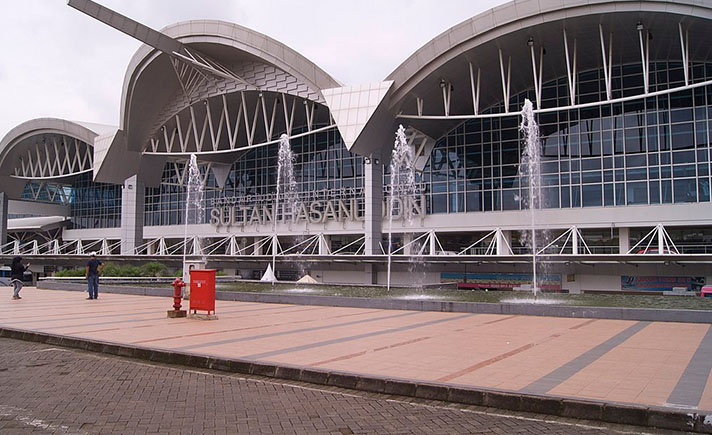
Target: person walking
93,270
17,274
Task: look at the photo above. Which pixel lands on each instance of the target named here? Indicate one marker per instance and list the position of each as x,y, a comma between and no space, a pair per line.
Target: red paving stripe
79,316
118,329
298,331
111,322
354,337
378,349
239,316
54,315
486,363
415,340
27,303
339,358
222,331
506,355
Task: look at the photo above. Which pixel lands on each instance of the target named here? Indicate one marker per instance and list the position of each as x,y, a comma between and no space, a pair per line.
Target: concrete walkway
646,363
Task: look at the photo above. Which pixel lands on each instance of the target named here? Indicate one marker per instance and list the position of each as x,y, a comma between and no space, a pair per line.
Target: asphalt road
46,389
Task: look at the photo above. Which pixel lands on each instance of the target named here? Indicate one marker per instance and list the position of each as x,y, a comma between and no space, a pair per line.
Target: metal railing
424,244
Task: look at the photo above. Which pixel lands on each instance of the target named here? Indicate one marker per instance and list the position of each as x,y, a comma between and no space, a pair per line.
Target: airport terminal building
622,92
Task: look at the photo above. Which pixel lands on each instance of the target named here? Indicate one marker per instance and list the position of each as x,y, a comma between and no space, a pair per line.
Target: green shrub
69,273
147,270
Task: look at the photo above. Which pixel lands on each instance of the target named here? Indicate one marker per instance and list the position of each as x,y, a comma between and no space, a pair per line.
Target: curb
637,314
610,412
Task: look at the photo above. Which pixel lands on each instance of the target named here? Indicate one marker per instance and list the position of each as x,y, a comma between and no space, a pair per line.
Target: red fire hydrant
178,285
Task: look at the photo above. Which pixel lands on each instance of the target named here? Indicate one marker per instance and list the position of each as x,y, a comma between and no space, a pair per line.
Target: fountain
287,188
530,168
194,207
402,186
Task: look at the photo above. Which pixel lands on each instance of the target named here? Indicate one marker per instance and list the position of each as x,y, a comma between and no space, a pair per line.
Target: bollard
178,285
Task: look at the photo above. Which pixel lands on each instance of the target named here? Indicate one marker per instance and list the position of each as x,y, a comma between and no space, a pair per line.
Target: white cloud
59,62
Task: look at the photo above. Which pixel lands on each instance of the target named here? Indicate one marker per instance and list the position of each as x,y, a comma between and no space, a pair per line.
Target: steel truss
46,191
571,58
232,123
493,244
54,157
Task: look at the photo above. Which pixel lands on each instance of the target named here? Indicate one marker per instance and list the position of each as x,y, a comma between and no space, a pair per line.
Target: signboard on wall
661,283
505,281
319,207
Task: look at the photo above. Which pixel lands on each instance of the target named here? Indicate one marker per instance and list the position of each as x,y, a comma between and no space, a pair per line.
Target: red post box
202,290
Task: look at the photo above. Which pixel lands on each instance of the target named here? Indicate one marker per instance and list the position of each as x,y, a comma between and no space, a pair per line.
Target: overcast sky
58,62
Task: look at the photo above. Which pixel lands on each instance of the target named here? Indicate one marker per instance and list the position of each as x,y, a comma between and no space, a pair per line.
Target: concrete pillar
324,245
258,249
407,238
373,187
3,217
132,212
504,242
623,240
370,274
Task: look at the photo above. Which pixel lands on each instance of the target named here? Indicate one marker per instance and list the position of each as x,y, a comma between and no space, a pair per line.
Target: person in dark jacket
17,273
93,270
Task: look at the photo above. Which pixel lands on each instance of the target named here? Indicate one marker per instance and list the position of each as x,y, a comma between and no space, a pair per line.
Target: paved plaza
648,363
50,390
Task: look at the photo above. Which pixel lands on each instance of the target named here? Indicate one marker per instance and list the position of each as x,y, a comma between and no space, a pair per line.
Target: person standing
93,270
17,274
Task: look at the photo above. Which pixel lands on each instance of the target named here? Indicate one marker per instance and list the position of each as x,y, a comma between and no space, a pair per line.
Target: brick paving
648,363
49,390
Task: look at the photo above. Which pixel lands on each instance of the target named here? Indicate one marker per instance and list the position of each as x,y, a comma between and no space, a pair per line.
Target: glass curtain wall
92,205
322,164
651,150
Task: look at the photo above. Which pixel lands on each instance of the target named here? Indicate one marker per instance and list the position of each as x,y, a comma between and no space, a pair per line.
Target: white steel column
571,69
132,214
644,55
537,75
685,47
373,213
506,76
447,94
607,60
475,85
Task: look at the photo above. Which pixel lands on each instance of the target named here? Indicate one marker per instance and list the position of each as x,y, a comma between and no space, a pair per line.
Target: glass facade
92,205
649,150
322,165
95,205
